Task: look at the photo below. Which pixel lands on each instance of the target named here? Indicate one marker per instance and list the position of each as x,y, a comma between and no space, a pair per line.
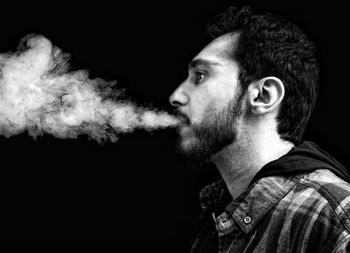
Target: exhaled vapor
39,94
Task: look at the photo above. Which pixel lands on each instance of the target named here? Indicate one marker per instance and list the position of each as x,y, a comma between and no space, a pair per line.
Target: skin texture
210,99
235,129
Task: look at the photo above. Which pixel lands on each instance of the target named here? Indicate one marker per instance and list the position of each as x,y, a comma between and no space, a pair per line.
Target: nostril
175,103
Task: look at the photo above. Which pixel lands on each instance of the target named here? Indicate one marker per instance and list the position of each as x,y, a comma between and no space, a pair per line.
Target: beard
217,130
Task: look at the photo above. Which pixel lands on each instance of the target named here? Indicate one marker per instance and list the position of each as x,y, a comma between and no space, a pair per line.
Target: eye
198,77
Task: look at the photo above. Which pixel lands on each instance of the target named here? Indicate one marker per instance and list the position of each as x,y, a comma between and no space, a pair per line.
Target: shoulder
317,210
331,190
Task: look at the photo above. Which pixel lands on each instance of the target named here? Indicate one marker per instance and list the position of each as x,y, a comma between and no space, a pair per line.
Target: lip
183,118
184,131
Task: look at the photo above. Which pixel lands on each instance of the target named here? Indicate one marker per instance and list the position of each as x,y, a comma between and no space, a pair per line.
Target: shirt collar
252,205
213,194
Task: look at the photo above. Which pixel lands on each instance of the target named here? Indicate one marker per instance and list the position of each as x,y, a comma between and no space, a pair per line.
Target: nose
179,97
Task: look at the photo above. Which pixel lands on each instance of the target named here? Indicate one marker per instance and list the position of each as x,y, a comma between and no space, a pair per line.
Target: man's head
257,67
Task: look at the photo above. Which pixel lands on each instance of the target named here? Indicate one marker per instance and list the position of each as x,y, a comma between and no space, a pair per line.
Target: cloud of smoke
40,95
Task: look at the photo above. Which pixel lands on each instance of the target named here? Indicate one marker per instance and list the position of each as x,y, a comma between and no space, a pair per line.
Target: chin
190,149
186,145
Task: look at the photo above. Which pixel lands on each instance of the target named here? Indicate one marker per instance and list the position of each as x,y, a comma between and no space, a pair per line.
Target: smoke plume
39,94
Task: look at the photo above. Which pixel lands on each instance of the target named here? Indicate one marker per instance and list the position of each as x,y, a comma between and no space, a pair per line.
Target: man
245,105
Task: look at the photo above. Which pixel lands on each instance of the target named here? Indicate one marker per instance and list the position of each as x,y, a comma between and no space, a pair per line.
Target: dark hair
270,46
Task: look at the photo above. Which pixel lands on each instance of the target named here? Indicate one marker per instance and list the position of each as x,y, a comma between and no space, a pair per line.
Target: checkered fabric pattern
303,213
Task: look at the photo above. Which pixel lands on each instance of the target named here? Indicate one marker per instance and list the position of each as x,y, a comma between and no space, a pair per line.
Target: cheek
222,90
224,94
201,109
209,97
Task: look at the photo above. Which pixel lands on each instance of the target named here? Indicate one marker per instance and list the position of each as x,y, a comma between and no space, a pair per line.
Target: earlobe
265,95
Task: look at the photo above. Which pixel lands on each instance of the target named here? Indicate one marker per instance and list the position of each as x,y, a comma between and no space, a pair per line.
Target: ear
265,95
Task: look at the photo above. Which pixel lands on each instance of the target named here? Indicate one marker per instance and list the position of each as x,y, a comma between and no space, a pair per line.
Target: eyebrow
202,62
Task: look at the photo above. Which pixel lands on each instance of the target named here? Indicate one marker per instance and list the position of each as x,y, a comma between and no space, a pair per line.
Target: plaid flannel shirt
303,213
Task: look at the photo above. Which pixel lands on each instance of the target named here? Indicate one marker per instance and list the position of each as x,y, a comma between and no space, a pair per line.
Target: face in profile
209,101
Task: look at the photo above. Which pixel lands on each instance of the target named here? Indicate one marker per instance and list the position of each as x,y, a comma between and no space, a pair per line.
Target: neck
239,162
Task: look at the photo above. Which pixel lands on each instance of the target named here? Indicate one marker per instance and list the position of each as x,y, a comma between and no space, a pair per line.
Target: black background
138,190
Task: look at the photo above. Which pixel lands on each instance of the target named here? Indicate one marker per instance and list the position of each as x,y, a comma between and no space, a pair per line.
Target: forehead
219,49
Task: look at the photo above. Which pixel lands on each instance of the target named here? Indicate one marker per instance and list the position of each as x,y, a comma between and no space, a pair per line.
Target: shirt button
247,220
